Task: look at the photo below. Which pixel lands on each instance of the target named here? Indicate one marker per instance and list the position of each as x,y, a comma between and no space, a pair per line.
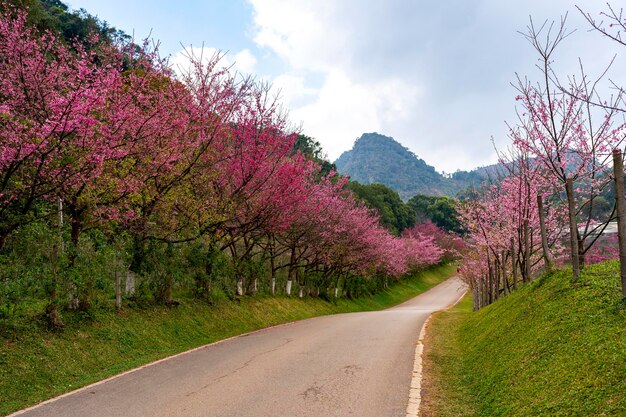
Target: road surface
356,364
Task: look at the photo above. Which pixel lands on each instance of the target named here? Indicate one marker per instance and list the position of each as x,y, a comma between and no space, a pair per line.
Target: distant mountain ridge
377,158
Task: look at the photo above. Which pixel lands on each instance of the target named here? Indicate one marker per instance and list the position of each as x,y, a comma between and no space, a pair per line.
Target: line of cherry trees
118,175
542,211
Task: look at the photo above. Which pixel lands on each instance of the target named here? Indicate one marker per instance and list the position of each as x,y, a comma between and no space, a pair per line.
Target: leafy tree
55,16
394,214
440,210
312,150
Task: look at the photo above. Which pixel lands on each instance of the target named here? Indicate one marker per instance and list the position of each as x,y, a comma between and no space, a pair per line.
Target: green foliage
602,208
207,264
34,262
309,147
440,210
312,150
165,269
25,267
549,349
395,215
54,15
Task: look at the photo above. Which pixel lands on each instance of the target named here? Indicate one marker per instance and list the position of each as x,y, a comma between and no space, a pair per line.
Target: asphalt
357,364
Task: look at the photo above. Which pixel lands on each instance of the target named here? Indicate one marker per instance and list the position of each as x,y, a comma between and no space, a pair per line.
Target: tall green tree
57,17
395,215
440,210
312,150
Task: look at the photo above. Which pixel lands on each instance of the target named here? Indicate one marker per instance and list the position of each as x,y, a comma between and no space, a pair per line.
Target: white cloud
434,75
298,32
244,62
307,36
293,89
339,109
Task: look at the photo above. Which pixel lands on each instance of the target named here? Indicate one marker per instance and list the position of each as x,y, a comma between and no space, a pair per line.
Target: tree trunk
505,280
526,272
168,296
239,285
129,284
496,276
76,226
489,281
139,254
620,206
475,297
581,252
484,291
52,309
272,276
301,286
547,257
73,303
118,289
514,263
60,220
573,229
292,263
78,298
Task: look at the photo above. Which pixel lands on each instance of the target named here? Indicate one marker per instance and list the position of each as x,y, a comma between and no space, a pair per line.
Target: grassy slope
445,390
36,364
550,349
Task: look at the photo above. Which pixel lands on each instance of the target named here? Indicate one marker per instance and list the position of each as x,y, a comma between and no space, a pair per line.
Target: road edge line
147,365
415,391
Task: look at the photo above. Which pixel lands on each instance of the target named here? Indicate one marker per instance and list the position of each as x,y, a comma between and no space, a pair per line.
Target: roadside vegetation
549,349
37,363
124,178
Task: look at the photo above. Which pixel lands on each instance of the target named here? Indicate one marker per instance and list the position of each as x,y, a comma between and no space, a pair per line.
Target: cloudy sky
435,75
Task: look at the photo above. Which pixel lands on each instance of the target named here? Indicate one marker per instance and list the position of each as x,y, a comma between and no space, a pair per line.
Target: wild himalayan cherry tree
558,167
569,138
51,102
112,137
503,228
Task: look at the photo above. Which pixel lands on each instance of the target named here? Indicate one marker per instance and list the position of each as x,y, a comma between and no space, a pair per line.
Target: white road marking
415,392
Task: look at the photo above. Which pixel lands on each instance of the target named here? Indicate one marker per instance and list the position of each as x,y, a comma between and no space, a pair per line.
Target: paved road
356,364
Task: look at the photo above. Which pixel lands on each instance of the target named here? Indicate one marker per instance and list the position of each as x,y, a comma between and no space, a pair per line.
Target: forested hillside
70,25
376,158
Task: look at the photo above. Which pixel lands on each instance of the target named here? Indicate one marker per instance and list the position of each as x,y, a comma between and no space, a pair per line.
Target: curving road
356,364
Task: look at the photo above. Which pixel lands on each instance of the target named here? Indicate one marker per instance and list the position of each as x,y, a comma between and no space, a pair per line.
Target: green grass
549,349
36,364
445,389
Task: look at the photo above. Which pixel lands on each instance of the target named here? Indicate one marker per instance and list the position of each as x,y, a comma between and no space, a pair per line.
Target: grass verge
445,391
36,364
549,349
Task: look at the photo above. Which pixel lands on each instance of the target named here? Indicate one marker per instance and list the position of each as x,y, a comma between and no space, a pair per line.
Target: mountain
377,158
